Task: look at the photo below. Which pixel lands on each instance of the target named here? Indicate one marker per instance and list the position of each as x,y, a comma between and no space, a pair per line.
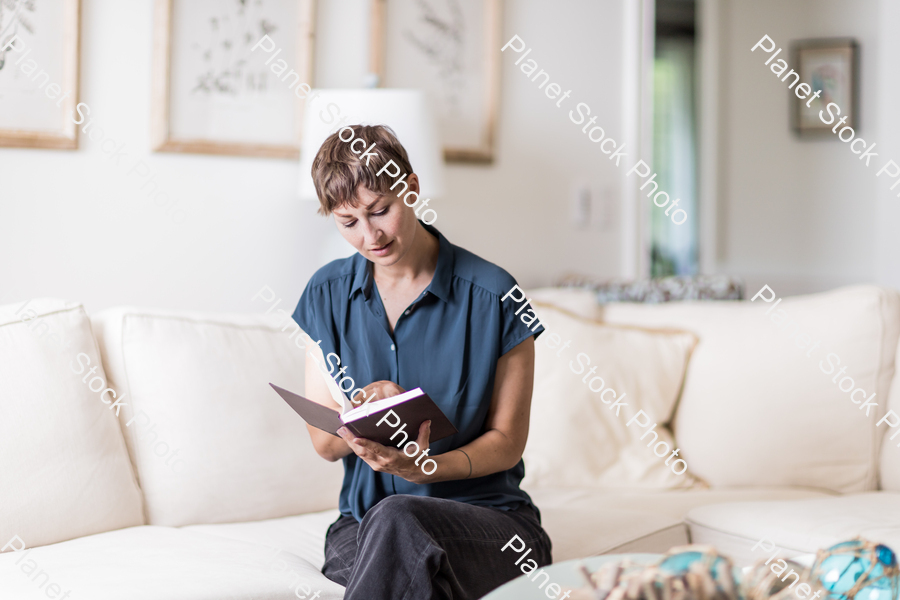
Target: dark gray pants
419,548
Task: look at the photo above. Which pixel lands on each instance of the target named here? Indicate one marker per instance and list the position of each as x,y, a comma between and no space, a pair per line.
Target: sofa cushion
64,468
576,437
756,410
798,526
302,535
199,383
154,563
589,522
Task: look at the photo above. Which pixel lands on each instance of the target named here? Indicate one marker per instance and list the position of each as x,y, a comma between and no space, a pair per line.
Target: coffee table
565,573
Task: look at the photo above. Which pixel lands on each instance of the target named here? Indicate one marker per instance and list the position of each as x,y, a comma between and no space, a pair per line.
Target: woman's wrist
469,459
451,465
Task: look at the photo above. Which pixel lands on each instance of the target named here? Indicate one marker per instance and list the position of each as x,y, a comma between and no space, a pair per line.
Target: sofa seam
875,450
877,441
688,522
195,320
49,314
656,330
681,523
135,445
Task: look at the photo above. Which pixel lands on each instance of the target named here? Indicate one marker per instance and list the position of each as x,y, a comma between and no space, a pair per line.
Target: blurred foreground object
684,573
853,570
858,569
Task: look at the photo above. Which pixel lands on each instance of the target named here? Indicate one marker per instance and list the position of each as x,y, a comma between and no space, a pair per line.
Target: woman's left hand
387,459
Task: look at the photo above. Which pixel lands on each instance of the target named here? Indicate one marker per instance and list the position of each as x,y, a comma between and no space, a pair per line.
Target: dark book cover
413,412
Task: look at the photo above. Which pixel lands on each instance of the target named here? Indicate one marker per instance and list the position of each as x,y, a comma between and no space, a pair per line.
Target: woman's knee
401,511
401,506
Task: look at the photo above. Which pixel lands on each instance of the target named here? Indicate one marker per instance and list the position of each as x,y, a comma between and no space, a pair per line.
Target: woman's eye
380,212
349,224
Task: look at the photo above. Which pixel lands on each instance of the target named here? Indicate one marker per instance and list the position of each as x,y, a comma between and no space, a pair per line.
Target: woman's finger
357,444
365,395
346,435
424,435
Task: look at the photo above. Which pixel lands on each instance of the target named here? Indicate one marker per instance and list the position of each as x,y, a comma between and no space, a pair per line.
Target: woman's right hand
377,390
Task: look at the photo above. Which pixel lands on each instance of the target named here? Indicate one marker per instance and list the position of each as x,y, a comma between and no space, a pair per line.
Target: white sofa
206,485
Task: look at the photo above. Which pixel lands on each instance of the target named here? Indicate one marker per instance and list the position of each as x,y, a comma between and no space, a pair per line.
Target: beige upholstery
160,563
757,411
302,535
588,522
797,527
756,418
202,381
64,469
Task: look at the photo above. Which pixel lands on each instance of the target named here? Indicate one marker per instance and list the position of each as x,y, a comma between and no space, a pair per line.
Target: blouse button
393,347
407,312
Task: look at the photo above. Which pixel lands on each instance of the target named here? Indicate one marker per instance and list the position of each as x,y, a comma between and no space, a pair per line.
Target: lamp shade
407,112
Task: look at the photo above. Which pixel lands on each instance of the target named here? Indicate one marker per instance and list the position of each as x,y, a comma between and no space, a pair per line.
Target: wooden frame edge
228,149
835,43
160,136
159,88
65,138
482,153
14,138
494,27
377,40
306,42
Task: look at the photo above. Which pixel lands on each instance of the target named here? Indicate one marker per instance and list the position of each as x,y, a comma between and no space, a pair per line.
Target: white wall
799,215
77,227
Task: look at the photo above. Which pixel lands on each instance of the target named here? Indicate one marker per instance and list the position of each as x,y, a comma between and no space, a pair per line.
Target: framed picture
829,66
227,75
39,73
449,48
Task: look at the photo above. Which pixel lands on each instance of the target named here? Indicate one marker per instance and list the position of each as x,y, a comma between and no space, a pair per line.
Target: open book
406,411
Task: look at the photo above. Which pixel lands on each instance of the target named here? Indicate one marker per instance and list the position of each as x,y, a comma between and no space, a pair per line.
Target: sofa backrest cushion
64,469
591,380
578,301
761,404
211,441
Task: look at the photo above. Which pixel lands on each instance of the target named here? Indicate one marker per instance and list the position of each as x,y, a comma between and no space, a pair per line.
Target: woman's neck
418,263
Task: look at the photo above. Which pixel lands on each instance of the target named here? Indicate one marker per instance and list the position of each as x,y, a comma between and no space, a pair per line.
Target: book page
374,406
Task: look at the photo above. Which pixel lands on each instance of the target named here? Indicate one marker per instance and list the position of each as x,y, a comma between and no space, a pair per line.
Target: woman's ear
413,180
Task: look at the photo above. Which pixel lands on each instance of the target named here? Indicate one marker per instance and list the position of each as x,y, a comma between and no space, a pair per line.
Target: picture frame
39,73
449,48
213,89
832,66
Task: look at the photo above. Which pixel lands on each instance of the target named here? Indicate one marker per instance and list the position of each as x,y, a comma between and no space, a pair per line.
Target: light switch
581,205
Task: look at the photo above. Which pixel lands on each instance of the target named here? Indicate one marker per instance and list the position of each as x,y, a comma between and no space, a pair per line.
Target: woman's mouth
382,250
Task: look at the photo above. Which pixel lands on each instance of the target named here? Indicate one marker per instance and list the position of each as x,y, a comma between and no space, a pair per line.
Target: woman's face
380,227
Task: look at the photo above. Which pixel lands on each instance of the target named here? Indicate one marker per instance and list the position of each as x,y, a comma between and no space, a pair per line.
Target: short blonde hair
338,172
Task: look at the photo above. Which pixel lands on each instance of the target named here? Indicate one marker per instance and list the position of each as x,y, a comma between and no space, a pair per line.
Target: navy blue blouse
447,342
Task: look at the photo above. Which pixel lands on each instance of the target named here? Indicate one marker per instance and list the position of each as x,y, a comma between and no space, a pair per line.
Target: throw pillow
585,373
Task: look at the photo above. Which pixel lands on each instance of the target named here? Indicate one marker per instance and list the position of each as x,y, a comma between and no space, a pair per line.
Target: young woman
413,310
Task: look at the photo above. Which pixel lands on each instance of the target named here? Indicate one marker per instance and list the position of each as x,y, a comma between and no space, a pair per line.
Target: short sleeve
314,316
517,328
